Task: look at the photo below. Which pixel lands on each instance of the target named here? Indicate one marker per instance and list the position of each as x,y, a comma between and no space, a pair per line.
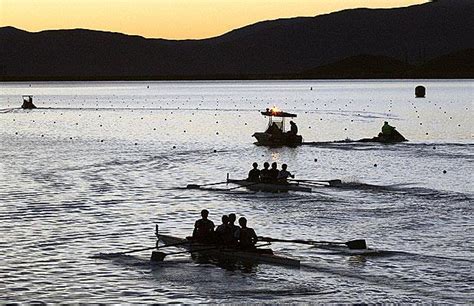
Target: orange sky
173,19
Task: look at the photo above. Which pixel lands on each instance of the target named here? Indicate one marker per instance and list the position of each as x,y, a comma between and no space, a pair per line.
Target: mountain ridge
287,46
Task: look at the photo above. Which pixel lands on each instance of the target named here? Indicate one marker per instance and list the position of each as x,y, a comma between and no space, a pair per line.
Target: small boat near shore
270,187
222,252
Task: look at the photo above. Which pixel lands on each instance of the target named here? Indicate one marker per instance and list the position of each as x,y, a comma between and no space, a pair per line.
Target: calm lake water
98,164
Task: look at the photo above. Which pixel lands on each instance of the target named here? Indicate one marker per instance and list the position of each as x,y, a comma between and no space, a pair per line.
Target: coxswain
246,236
283,175
293,129
273,172
224,233
265,173
204,228
254,174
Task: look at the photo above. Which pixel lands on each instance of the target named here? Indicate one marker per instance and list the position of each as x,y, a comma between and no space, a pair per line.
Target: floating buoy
420,91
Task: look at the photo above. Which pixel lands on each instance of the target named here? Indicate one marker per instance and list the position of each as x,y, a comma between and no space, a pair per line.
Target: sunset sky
172,19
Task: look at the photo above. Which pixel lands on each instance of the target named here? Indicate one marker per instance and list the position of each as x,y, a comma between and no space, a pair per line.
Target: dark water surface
99,164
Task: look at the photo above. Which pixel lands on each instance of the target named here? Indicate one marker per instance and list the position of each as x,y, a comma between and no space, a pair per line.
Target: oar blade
157,256
334,183
358,244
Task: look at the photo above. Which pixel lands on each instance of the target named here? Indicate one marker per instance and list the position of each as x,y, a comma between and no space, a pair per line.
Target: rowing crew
227,234
267,175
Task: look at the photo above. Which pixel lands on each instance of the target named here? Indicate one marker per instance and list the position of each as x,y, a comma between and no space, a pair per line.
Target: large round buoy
420,91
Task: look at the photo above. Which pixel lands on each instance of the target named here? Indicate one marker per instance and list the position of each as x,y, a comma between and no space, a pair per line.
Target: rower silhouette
283,175
274,172
233,228
246,236
224,232
204,228
254,174
265,173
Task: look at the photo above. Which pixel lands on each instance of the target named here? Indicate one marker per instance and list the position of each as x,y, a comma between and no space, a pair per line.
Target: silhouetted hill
455,65
459,64
361,67
411,35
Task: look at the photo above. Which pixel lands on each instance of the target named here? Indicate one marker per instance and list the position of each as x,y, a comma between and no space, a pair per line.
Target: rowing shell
268,187
231,253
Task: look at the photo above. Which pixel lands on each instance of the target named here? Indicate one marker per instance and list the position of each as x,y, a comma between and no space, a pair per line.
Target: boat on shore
270,187
276,134
222,252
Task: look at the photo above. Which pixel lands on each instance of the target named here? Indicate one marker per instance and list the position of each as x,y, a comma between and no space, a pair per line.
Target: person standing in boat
254,174
204,228
283,175
246,236
273,173
265,173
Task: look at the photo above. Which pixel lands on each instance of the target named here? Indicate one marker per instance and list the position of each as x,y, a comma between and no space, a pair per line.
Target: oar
196,186
241,186
146,249
335,182
160,256
358,244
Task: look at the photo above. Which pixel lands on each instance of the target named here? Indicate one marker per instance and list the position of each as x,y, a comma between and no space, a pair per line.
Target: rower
254,174
246,236
233,228
265,173
273,172
224,232
203,228
283,175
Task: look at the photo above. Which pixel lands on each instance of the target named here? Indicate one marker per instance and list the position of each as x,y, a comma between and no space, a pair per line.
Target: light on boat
275,110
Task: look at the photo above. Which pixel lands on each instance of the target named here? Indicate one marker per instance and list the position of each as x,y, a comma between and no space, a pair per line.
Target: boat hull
266,187
230,253
269,140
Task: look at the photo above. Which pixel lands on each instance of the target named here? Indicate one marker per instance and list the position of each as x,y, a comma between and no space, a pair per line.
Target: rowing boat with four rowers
223,252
